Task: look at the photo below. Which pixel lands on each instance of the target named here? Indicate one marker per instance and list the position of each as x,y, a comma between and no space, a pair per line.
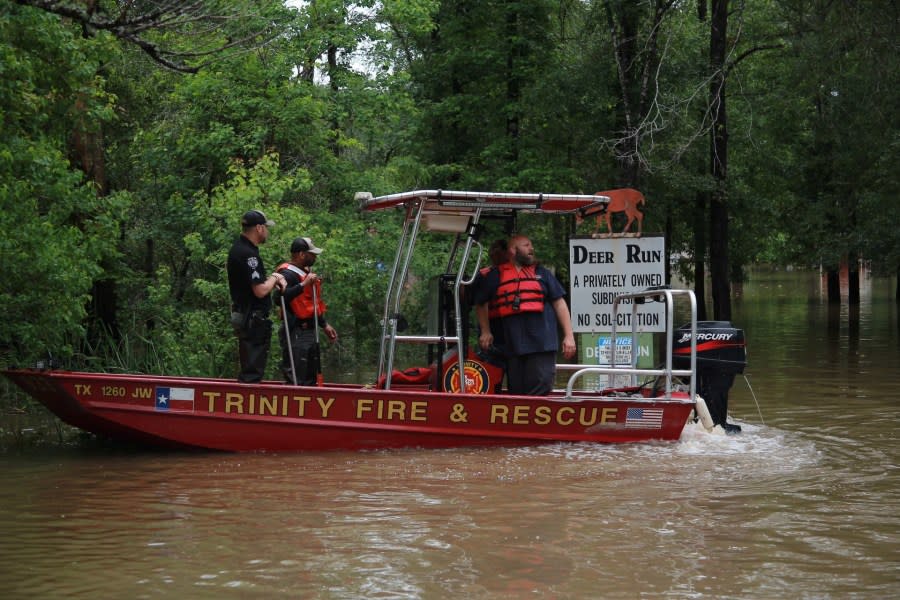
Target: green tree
58,232
473,72
159,28
853,127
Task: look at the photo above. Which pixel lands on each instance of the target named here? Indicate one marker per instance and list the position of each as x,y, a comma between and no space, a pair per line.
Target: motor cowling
720,347
721,354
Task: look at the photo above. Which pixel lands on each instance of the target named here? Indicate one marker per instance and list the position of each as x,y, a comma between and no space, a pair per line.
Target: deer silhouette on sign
621,200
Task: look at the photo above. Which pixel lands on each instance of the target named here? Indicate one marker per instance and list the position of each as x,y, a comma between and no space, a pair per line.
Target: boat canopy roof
449,202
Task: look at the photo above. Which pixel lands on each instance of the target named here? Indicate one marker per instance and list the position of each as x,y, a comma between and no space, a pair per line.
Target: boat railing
427,339
667,372
582,370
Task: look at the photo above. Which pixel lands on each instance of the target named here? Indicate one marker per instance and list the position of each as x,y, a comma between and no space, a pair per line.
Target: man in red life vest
531,305
303,299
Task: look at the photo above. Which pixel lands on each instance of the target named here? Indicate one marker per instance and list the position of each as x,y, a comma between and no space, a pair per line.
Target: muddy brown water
802,504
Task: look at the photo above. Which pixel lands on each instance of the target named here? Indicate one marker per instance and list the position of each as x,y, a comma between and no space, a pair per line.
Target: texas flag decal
175,399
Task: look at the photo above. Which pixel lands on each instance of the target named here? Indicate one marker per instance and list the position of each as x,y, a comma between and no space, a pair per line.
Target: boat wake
699,455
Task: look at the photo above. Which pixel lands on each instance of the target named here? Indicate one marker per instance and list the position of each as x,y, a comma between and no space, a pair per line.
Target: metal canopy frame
451,200
474,205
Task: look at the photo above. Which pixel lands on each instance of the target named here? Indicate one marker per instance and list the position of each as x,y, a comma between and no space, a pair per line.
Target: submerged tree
725,54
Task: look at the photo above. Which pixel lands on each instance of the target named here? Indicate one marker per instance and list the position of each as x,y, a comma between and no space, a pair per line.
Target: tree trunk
513,86
335,90
700,254
700,202
667,245
833,286
86,151
636,63
853,279
718,206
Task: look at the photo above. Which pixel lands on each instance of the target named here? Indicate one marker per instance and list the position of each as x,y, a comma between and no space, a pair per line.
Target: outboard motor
721,354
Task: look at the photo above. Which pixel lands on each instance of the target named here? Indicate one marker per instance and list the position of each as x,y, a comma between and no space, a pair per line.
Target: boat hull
219,414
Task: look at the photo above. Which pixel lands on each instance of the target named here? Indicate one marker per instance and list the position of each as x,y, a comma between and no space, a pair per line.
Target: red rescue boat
413,407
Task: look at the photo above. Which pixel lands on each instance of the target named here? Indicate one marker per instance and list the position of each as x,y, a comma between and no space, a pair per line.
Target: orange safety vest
302,304
523,286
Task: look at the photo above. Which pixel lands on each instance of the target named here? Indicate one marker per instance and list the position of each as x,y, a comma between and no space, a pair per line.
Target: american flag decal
643,418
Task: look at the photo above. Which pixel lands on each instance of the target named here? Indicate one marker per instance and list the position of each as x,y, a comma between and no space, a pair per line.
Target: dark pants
531,374
254,338
302,341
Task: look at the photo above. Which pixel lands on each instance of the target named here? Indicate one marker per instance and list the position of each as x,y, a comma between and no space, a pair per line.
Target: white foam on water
753,440
760,449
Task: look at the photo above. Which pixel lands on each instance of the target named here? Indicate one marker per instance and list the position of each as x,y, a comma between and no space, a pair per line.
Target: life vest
302,305
522,285
493,304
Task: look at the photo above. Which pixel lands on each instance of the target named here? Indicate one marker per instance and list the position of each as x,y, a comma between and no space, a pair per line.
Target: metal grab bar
477,268
667,372
460,280
612,371
426,339
654,294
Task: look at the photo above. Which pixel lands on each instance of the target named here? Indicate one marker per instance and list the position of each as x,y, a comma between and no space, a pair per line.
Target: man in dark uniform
531,306
250,300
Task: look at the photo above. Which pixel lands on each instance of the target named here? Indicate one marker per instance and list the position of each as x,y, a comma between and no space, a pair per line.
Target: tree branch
136,26
734,62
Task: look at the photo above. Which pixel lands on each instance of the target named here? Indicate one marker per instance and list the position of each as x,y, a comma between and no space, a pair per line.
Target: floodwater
802,504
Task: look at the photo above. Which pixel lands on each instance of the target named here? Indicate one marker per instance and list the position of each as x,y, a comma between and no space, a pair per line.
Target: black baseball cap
255,217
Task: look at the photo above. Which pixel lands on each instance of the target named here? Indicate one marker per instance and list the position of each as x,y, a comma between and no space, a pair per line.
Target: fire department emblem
477,379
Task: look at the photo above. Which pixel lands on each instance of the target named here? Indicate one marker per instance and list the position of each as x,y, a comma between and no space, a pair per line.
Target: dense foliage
126,160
